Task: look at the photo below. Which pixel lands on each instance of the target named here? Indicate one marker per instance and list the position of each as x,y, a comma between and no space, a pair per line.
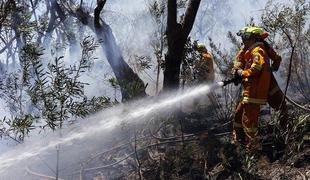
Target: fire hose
237,80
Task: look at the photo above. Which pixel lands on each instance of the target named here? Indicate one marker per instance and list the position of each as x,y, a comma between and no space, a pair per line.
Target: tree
177,34
21,23
130,84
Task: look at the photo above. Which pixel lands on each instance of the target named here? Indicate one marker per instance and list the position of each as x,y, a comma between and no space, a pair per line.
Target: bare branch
133,153
8,44
137,157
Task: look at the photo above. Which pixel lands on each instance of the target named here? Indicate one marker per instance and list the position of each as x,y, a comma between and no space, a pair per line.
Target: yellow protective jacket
274,57
205,67
256,73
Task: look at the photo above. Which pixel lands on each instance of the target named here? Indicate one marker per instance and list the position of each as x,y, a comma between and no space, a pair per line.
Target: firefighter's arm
238,63
256,67
276,58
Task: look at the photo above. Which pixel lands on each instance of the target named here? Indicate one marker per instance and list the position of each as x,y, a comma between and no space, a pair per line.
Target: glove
274,67
233,71
237,77
239,72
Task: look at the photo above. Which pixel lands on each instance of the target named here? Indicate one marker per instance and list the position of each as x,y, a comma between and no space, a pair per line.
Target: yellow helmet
247,31
200,46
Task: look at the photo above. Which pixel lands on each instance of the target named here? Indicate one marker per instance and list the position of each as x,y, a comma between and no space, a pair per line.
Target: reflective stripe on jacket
256,74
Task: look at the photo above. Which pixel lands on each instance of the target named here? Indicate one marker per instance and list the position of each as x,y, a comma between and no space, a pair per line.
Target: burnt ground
203,150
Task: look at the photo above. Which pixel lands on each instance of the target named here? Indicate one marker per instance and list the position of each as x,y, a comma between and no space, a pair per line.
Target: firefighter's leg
238,133
250,125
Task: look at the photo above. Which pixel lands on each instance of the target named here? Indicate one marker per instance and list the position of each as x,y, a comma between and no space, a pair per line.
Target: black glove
237,77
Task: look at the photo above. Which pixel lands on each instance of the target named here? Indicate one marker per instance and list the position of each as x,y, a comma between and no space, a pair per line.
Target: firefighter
204,69
201,72
275,95
252,65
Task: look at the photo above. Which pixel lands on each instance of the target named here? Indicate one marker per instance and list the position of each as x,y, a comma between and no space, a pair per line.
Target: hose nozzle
236,80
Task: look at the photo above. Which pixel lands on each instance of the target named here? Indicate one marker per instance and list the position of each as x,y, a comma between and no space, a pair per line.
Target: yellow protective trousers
246,121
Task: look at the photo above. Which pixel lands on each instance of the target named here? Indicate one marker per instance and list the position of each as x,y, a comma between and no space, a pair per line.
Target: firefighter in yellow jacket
275,95
204,71
204,67
253,66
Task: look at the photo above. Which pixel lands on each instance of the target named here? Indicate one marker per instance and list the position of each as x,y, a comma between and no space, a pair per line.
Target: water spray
107,120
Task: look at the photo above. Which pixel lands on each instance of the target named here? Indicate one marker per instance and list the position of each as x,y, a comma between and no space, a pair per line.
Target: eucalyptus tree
177,35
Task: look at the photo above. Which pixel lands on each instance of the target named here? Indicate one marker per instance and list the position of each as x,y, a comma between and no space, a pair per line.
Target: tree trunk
130,83
173,59
177,34
20,38
50,27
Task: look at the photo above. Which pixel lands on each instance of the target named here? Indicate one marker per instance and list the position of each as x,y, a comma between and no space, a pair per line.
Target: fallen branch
169,138
7,45
296,104
302,175
137,158
194,134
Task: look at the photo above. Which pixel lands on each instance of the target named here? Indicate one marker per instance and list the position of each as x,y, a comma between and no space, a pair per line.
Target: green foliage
191,56
190,52
132,89
143,62
113,82
6,8
86,107
22,22
182,4
53,91
157,9
20,125
297,131
11,91
57,89
250,163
